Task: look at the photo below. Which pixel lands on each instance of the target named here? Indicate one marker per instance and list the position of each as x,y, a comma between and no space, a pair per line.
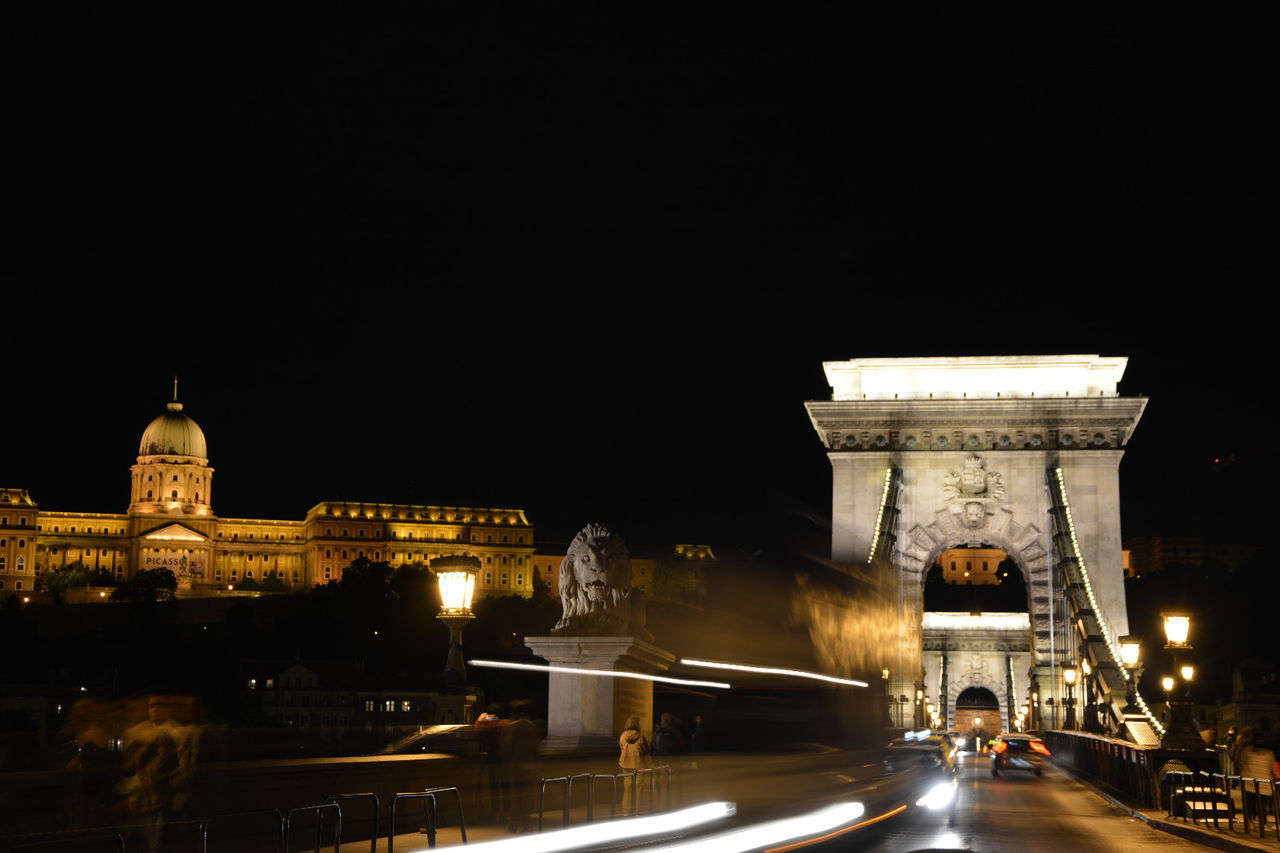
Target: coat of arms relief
967,492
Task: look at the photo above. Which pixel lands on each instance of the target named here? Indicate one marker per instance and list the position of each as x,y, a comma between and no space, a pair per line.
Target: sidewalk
1234,839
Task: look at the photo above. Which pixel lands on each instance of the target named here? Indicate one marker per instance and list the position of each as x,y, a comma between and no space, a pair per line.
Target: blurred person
1254,761
698,740
667,738
520,739
489,727
633,755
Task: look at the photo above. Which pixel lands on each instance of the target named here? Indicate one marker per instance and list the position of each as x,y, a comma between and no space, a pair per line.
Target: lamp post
1131,659
1069,676
1181,730
456,577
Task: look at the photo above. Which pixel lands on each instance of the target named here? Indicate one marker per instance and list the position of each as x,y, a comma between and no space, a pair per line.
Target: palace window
406,706
488,578
504,578
344,553
3,567
519,579
328,552
368,705
389,705
17,584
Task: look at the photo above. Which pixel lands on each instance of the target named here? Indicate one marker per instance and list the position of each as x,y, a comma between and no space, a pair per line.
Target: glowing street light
456,579
1167,683
1177,627
1188,672
1069,676
1130,651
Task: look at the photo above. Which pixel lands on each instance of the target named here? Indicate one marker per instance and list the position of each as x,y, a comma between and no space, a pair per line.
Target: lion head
595,586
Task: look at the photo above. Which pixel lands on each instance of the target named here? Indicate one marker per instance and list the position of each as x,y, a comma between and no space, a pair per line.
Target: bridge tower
1019,453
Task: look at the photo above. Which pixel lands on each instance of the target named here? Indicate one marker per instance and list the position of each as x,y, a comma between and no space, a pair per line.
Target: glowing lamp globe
456,578
1188,672
1130,651
1069,674
1167,683
1177,627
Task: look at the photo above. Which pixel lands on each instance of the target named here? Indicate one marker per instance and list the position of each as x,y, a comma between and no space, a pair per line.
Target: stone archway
932,453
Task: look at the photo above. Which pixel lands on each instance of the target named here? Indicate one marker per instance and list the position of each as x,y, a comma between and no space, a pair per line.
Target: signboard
178,562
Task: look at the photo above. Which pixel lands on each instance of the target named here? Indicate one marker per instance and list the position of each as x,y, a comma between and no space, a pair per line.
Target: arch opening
978,713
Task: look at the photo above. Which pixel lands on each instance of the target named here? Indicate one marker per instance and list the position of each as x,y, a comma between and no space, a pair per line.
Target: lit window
368,704
406,706
389,705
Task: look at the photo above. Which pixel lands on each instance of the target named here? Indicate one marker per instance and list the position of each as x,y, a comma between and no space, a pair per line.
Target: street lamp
1069,676
1131,658
1188,672
1167,684
456,578
1181,731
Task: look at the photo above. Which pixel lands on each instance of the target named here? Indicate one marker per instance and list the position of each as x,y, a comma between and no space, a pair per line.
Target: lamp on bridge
1069,676
1167,684
1131,659
456,578
1180,732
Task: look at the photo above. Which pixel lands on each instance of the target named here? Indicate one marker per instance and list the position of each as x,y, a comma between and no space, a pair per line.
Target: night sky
587,260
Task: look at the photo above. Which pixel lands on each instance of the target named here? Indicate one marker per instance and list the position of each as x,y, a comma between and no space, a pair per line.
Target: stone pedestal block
587,711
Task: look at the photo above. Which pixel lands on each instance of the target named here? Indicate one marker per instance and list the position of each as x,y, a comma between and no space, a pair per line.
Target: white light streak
769,670
606,673
596,834
773,832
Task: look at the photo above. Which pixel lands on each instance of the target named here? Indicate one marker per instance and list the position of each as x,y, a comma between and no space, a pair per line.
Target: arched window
148,494
174,494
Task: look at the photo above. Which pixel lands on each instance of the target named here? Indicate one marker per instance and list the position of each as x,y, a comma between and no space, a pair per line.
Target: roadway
1021,812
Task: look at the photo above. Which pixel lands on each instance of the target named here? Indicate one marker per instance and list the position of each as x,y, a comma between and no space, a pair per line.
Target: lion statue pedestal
588,711
602,628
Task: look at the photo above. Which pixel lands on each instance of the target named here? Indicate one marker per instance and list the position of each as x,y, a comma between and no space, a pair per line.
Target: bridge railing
1134,773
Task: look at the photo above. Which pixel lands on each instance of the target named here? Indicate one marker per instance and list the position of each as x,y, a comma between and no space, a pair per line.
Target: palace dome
173,433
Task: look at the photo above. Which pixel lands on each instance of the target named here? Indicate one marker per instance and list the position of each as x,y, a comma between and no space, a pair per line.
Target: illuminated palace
170,524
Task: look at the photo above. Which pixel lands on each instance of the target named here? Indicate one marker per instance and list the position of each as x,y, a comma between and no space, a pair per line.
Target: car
926,747
1017,752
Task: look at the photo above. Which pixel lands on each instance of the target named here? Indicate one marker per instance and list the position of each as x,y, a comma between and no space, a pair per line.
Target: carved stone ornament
968,491
595,588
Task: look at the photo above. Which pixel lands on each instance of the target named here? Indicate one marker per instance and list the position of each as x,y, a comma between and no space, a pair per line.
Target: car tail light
1039,747
999,747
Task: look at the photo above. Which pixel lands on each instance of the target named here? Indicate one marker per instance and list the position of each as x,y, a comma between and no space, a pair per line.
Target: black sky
588,259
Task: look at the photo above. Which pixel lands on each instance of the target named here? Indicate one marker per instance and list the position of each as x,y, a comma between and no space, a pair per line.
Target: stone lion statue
595,587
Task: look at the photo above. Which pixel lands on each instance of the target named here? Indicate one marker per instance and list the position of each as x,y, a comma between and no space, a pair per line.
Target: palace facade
170,524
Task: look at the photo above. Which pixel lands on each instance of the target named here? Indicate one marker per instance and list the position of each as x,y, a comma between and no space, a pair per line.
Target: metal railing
1207,796
567,800
430,807
373,834
320,810
592,779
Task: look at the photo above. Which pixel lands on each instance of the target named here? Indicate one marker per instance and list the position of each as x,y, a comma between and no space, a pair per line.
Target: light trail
607,673
596,834
770,670
773,832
